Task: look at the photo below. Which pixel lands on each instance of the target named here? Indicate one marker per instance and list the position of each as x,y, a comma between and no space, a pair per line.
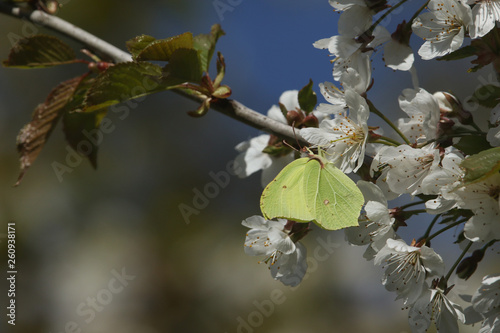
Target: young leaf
137,44
161,50
486,96
205,45
184,66
33,136
78,129
472,143
40,51
482,165
313,189
464,52
307,98
122,82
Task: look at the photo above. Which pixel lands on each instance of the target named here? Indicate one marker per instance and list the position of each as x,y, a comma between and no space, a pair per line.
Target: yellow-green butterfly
313,189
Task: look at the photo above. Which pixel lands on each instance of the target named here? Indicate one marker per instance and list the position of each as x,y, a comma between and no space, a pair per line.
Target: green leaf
222,92
40,51
482,165
487,96
283,110
313,189
32,137
472,143
307,98
184,66
78,129
277,150
137,44
205,45
201,110
464,52
162,50
122,82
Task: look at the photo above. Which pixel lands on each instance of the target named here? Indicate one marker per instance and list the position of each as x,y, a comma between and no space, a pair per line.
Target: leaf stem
411,204
459,259
418,12
431,225
383,142
415,212
390,10
473,124
387,120
390,141
452,225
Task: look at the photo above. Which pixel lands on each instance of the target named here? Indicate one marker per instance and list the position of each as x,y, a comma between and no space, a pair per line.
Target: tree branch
229,107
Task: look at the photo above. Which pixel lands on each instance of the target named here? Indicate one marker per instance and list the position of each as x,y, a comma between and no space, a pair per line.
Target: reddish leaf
40,51
33,135
122,82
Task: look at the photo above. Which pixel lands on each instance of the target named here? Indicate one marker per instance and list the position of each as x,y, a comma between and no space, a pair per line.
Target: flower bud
450,106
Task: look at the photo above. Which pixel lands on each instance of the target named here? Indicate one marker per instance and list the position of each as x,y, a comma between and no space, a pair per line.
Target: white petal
355,20
398,56
281,241
256,222
485,15
318,136
290,269
342,46
486,299
252,159
290,99
322,43
351,79
345,4
275,113
381,35
371,192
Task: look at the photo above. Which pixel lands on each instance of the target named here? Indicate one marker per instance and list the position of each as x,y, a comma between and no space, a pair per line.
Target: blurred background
74,237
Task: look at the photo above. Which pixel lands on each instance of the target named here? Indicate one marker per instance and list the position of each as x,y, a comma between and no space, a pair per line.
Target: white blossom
422,109
403,168
375,224
252,158
286,259
398,56
442,28
407,267
482,197
343,138
486,301
442,181
291,268
352,53
337,104
335,98
485,14
433,306
493,135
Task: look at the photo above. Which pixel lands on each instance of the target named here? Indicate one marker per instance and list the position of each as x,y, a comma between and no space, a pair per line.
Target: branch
57,24
231,108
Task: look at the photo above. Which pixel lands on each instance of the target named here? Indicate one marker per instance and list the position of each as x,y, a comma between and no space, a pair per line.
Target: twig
228,107
57,24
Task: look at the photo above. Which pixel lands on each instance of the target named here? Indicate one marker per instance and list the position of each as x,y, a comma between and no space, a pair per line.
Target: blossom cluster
424,161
